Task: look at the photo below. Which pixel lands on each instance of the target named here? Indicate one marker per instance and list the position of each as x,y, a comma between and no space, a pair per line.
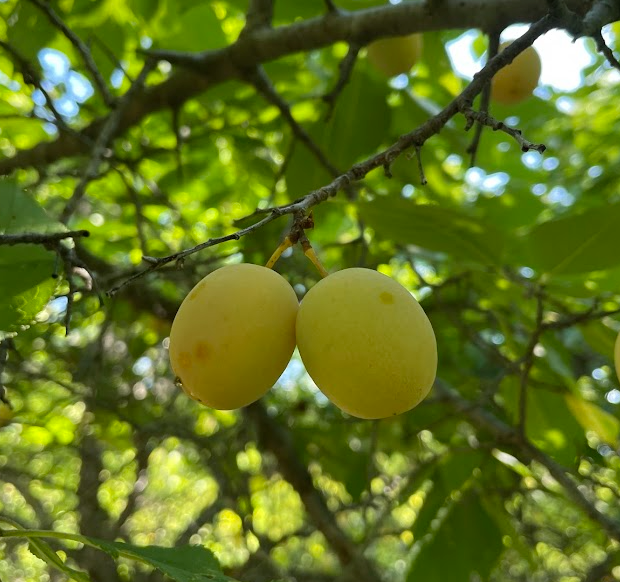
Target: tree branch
31,77
484,118
40,238
485,98
106,134
384,159
259,15
264,45
272,437
504,433
89,62
602,12
528,362
263,85
605,50
345,68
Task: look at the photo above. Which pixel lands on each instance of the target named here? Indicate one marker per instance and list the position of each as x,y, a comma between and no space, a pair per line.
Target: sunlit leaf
453,549
435,228
592,417
182,564
576,244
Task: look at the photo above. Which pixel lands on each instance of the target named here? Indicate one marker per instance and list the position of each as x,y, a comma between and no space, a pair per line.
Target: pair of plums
363,338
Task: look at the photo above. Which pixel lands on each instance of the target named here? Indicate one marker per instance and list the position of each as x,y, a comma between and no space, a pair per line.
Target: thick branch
268,44
602,12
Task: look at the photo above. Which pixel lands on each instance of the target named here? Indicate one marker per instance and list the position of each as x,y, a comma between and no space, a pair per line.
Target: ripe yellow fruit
396,55
367,343
233,335
516,81
617,357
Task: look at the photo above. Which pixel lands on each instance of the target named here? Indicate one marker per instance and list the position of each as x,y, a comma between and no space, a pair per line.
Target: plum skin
234,335
367,343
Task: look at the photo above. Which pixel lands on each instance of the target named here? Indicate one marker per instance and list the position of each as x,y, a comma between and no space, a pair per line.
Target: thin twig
263,85
39,238
527,362
345,68
107,132
31,77
156,263
331,7
606,51
482,118
87,57
584,317
111,56
418,155
485,98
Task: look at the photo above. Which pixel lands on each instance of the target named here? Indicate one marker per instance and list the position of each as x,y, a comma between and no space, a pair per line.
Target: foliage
508,471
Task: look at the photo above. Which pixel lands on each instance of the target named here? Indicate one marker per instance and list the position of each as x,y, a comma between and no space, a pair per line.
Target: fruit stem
285,244
309,252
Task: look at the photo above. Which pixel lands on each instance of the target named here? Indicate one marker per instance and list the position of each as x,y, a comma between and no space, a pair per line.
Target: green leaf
435,228
182,564
449,475
20,33
114,36
43,551
576,244
20,213
26,284
345,138
550,425
467,541
591,417
479,45
601,338
494,505
196,29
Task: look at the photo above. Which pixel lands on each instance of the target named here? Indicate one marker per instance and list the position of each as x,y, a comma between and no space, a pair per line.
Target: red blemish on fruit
201,351
386,298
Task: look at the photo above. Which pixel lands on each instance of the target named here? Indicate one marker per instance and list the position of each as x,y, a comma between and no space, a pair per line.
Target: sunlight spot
55,64
613,396
79,87
562,60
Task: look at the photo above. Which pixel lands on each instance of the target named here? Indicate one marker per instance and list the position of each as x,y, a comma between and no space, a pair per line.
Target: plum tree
394,56
367,343
516,81
233,335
